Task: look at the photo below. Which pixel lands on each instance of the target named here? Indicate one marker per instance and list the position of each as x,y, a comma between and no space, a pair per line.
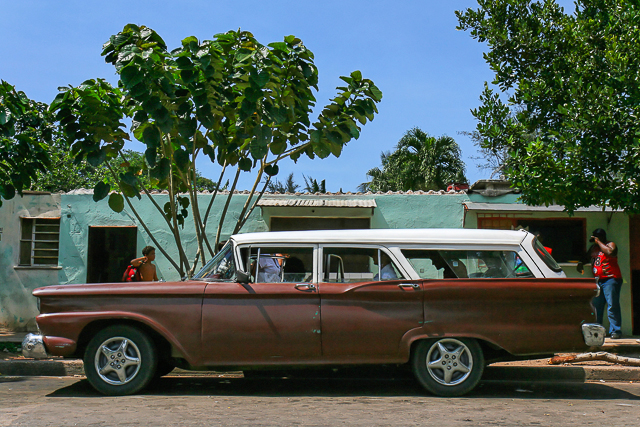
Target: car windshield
221,267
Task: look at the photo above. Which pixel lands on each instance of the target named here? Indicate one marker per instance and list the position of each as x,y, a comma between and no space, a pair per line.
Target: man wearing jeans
604,258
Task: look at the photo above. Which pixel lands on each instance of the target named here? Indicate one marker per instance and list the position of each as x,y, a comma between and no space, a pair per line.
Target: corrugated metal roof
317,203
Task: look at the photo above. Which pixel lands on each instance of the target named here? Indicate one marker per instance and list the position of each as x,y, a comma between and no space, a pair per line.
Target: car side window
452,264
352,264
287,264
222,266
430,264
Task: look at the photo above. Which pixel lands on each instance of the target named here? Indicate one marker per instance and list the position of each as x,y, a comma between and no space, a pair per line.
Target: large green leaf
162,169
151,136
95,158
150,155
131,75
182,159
245,164
271,170
116,202
100,191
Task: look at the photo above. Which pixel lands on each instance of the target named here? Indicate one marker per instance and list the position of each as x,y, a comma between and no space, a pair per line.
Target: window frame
241,262
398,263
33,242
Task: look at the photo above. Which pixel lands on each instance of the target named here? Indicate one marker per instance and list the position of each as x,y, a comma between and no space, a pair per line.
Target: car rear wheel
448,366
120,360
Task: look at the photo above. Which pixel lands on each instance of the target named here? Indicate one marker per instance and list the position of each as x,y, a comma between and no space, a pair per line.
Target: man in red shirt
604,259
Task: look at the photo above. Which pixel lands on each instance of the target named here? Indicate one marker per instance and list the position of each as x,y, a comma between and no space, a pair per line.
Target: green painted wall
79,212
17,304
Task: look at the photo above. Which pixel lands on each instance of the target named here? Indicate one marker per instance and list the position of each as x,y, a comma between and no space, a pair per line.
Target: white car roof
387,236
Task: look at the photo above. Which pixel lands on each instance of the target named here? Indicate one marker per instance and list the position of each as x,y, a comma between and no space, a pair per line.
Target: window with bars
39,241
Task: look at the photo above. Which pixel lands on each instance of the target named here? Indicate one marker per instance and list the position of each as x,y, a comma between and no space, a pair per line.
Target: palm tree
288,186
419,162
313,186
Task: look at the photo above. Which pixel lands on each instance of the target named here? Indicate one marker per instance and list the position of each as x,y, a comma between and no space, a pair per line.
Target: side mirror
242,277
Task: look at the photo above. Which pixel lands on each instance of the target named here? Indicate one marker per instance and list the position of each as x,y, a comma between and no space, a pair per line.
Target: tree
572,87
71,174
26,129
244,105
313,186
289,186
419,162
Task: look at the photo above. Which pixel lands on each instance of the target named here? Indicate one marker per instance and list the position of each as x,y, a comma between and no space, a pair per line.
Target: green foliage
243,105
66,173
26,129
419,162
570,122
288,186
313,186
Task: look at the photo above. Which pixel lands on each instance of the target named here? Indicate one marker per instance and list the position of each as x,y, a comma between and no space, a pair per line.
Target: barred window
39,241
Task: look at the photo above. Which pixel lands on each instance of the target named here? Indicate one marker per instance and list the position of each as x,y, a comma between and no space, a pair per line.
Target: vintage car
444,302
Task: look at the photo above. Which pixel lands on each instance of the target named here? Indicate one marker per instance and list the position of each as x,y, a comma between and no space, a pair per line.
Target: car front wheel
120,360
448,366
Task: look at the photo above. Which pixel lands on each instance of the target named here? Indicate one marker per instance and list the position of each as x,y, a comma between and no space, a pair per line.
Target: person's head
438,262
600,234
149,252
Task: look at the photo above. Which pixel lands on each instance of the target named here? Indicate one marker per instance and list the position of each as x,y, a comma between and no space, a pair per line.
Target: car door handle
409,285
305,286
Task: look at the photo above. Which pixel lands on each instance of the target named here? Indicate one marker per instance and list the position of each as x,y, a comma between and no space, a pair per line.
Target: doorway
110,251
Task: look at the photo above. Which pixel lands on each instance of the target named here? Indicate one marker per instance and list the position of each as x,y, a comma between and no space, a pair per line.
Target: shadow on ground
342,385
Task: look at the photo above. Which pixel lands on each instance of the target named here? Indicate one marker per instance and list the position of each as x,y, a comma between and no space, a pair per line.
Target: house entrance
110,250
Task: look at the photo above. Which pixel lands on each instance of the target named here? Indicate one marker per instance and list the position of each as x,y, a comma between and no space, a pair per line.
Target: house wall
17,304
79,212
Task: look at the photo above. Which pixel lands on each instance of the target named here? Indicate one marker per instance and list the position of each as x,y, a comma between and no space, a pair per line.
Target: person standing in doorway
604,259
146,270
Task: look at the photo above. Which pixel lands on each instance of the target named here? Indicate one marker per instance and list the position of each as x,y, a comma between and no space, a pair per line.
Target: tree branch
601,355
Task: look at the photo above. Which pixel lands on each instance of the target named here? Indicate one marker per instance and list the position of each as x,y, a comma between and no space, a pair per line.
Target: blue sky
431,75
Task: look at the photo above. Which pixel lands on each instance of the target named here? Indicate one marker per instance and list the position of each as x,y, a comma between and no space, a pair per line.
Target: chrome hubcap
117,361
449,362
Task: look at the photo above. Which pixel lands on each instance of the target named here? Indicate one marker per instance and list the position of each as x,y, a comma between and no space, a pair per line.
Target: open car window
353,264
279,264
451,264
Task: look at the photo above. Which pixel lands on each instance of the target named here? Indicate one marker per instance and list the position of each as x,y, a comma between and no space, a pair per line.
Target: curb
41,368
70,368
562,373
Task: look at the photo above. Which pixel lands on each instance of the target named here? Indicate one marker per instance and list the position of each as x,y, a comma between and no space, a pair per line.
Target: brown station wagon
443,301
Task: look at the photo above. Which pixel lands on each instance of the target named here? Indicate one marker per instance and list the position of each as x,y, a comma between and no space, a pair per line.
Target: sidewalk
526,370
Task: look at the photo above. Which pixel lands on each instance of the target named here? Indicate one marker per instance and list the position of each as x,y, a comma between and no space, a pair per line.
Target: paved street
196,401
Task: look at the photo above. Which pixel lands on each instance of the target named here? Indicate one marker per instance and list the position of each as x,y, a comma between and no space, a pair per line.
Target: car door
264,322
366,310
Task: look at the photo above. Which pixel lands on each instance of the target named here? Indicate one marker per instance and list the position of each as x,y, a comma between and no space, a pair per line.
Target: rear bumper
33,347
593,334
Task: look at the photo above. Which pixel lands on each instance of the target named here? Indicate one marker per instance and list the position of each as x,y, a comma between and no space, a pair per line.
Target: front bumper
593,334
33,347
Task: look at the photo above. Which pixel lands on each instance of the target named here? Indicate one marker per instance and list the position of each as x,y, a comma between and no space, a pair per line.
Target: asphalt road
200,401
